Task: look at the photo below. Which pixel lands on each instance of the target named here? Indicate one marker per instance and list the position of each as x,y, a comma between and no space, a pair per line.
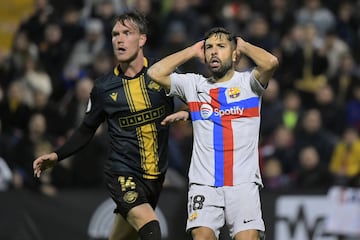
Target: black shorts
129,191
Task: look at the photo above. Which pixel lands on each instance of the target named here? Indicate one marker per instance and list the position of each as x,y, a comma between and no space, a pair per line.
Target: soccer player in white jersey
224,175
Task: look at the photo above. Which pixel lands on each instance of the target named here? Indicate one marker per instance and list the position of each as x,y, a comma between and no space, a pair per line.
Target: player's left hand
180,115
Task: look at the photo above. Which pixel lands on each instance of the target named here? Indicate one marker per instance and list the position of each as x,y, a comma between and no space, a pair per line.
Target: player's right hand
44,162
198,50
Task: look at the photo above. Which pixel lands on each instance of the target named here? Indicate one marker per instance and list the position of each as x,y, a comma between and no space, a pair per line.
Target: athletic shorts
129,191
238,206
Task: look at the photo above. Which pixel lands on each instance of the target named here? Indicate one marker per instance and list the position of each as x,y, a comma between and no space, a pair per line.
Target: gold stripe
138,100
137,94
116,70
148,150
143,88
146,62
128,95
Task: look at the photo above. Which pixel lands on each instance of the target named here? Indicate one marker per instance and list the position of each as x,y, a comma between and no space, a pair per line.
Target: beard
222,70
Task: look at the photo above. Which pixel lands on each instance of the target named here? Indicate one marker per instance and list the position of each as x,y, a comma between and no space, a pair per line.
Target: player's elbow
273,63
154,73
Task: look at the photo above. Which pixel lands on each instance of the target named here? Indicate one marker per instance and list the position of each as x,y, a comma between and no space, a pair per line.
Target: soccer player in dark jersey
135,109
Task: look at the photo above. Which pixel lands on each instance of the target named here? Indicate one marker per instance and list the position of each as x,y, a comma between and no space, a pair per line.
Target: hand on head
198,49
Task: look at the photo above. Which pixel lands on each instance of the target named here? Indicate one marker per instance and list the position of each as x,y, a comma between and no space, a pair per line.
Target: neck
132,67
228,75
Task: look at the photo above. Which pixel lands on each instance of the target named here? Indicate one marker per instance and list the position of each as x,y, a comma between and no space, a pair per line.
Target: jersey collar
117,69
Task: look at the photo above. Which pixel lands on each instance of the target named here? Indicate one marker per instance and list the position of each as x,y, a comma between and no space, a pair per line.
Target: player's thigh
131,193
205,209
243,209
201,233
122,230
247,235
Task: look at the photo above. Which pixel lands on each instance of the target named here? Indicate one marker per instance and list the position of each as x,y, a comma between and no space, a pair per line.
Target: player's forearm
76,142
160,71
261,57
266,62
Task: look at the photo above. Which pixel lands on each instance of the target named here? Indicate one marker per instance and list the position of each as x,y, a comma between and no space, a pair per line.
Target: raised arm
266,63
160,71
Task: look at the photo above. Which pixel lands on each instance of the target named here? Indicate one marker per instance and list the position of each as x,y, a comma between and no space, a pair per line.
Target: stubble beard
221,71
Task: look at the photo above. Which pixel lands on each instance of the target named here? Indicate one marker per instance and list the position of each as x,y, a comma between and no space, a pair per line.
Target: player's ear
142,40
234,56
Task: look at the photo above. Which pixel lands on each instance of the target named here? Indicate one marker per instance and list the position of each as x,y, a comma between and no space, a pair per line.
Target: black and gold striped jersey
133,109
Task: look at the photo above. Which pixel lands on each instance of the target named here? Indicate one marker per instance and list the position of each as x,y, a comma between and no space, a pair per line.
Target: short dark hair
135,17
220,30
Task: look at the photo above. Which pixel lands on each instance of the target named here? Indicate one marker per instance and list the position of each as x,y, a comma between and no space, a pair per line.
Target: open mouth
121,50
214,62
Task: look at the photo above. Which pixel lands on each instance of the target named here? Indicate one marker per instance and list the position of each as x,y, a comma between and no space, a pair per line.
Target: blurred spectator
53,54
291,58
75,108
87,48
27,149
34,78
314,65
258,33
60,7
72,28
352,108
345,161
181,16
310,132
236,15
332,113
151,10
103,63
314,12
344,79
312,173
335,49
34,26
292,109
281,146
14,65
90,5
347,23
273,176
41,103
14,113
271,108
280,17
105,12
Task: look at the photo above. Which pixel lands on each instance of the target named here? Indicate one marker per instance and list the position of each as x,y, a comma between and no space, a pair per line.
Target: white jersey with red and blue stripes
226,123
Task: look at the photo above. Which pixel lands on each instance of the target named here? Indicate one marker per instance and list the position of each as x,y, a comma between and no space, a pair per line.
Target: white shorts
238,206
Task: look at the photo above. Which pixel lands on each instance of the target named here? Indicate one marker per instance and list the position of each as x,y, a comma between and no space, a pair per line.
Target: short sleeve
255,85
183,84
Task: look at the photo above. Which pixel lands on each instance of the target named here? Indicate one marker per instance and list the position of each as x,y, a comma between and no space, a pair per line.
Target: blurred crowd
310,111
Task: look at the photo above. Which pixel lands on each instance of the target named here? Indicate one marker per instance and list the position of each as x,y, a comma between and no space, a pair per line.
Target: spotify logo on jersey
206,111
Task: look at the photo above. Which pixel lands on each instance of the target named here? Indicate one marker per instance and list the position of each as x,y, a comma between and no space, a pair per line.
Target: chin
122,58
